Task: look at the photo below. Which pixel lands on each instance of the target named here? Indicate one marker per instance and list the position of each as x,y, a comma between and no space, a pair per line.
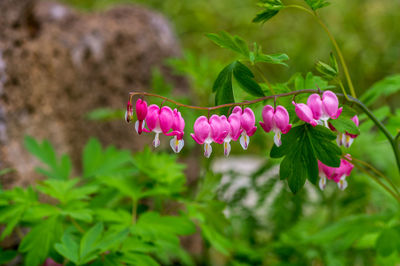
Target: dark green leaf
245,78
271,8
223,86
7,255
344,125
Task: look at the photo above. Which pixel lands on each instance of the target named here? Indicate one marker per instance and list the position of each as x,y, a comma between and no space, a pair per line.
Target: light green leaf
316,4
68,248
234,43
271,8
387,242
385,87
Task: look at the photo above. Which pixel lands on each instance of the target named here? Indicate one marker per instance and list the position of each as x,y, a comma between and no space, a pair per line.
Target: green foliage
302,146
57,168
317,4
388,242
7,255
328,71
344,124
385,87
271,8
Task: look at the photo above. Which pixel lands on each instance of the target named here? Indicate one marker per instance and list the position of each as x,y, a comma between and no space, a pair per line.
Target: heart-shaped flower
276,120
338,174
159,120
304,113
141,114
325,107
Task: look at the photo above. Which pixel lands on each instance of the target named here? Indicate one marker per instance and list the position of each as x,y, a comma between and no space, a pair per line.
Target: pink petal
339,111
219,129
355,120
234,121
248,121
330,104
268,118
304,113
315,104
152,116
281,118
202,130
237,110
166,119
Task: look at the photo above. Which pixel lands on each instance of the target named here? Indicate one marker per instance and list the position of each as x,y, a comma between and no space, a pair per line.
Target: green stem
342,87
335,44
264,78
381,127
134,210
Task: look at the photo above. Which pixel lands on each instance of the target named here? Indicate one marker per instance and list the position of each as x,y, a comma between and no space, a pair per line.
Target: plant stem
132,94
385,187
334,42
379,124
264,78
342,87
134,210
377,172
80,229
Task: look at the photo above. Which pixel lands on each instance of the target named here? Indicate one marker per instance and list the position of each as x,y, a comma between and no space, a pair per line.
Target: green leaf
39,242
271,8
302,146
385,87
258,56
387,242
234,43
316,4
68,248
97,161
344,125
89,242
245,78
223,86
326,70
58,169
139,259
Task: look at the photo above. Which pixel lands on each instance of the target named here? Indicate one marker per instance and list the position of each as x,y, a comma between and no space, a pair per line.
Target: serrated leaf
234,43
344,125
316,4
272,8
302,146
68,248
39,242
245,78
89,241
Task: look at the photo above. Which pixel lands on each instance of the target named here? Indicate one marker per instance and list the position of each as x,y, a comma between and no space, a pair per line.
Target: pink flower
304,113
129,112
178,126
325,107
247,122
232,124
346,139
158,121
276,120
141,113
51,262
338,174
210,130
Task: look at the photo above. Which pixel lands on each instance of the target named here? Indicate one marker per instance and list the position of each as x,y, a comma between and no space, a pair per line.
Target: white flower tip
277,139
342,184
137,126
207,150
244,141
322,183
227,148
176,144
156,141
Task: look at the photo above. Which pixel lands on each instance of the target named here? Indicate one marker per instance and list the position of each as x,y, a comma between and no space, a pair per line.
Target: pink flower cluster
240,125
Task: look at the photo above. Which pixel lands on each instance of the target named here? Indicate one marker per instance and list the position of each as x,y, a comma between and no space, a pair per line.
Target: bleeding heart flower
232,124
304,113
338,174
247,122
346,139
129,112
159,121
141,113
210,130
325,107
276,120
178,126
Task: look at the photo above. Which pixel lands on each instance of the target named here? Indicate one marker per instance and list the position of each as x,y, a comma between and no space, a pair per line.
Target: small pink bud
141,113
129,112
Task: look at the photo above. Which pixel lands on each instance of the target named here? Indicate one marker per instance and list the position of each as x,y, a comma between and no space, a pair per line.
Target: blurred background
82,57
